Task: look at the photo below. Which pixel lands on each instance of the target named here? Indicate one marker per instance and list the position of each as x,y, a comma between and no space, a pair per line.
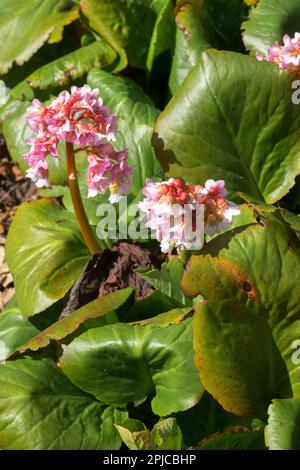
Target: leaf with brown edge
99,308
245,330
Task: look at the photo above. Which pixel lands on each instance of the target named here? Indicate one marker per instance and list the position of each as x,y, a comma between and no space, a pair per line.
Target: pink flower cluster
286,56
168,206
78,117
108,168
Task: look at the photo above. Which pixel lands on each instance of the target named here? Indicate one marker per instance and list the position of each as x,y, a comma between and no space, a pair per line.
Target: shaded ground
14,189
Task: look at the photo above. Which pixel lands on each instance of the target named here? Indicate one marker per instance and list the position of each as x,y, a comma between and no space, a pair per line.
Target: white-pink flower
172,208
108,169
38,173
287,56
80,118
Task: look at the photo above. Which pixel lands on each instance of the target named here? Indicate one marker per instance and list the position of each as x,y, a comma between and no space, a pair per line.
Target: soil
14,189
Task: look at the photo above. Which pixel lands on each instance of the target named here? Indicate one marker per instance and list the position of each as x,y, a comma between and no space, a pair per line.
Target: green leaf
194,34
153,305
238,438
292,219
14,329
269,22
125,363
283,429
45,253
227,130
124,24
41,410
167,280
7,105
245,332
173,317
204,419
165,435
136,115
4,94
161,45
16,132
102,309
62,71
25,26
162,36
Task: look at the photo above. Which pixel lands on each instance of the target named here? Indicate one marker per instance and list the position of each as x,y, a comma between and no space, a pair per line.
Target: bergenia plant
80,120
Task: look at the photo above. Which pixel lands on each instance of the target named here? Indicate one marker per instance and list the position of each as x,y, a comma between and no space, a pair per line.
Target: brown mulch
125,259
14,189
114,270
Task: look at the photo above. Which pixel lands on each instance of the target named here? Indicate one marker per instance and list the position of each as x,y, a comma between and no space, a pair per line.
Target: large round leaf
269,22
245,330
25,26
45,253
283,429
221,125
123,363
41,410
136,115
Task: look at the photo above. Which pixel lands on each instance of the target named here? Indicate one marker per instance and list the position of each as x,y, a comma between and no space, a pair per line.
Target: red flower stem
87,233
